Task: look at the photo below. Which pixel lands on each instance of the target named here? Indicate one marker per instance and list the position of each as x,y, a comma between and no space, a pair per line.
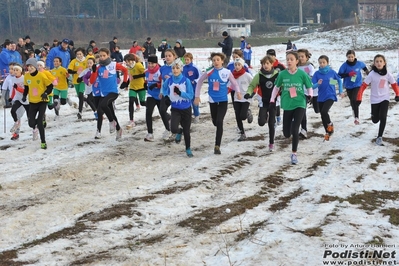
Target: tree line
167,17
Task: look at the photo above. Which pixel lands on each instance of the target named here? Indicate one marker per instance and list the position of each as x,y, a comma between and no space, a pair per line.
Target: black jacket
180,51
149,49
227,46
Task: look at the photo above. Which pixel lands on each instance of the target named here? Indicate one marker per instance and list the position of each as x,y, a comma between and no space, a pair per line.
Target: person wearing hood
62,52
380,81
37,87
179,49
76,66
325,80
72,50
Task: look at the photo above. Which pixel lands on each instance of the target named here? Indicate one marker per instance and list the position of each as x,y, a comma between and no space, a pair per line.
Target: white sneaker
303,133
166,135
196,120
130,124
119,134
16,126
112,127
35,134
98,135
149,137
379,142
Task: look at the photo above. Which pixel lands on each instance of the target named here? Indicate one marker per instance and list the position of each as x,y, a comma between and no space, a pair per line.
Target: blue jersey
96,90
327,89
151,79
192,72
166,70
182,101
217,80
107,79
354,81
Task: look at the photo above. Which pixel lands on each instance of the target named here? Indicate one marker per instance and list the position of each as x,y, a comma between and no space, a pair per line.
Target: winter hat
41,63
27,37
271,52
32,62
225,33
153,59
239,60
177,63
91,42
65,41
148,38
179,41
71,43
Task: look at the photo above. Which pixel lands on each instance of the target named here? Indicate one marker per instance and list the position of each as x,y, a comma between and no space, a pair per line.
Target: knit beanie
32,62
225,33
153,59
179,41
177,63
239,60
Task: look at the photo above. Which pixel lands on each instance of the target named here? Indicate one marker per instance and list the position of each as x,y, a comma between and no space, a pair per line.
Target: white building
38,7
235,27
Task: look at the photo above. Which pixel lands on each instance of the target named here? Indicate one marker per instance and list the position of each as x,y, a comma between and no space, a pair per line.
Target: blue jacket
192,72
16,57
352,82
247,53
182,101
58,52
327,87
5,60
243,44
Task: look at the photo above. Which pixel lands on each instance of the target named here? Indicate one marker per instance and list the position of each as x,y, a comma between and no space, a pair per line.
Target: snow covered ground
101,202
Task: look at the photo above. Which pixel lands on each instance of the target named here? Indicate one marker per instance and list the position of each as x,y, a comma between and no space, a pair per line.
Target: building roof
228,21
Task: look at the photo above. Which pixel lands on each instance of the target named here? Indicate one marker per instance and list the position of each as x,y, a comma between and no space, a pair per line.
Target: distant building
235,27
38,7
378,9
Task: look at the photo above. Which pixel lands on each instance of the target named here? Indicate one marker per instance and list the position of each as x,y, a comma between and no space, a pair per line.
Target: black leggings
218,112
241,112
35,118
15,107
163,108
265,112
291,122
182,117
105,107
324,108
132,102
90,101
150,104
352,94
379,112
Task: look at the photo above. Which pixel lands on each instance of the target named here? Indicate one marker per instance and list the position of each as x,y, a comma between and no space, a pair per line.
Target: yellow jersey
61,75
77,66
37,86
137,83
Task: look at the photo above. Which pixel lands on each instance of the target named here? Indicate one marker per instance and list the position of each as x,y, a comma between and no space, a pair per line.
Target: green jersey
293,88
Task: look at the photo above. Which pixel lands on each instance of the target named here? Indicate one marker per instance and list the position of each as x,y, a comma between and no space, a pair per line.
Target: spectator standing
149,49
92,45
29,45
21,49
227,47
162,48
60,51
135,47
112,44
71,49
179,49
243,43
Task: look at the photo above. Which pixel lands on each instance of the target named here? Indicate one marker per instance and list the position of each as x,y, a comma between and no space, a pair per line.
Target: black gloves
247,96
177,90
23,98
9,100
152,86
397,98
145,85
271,106
220,44
44,96
15,86
79,80
93,68
124,85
